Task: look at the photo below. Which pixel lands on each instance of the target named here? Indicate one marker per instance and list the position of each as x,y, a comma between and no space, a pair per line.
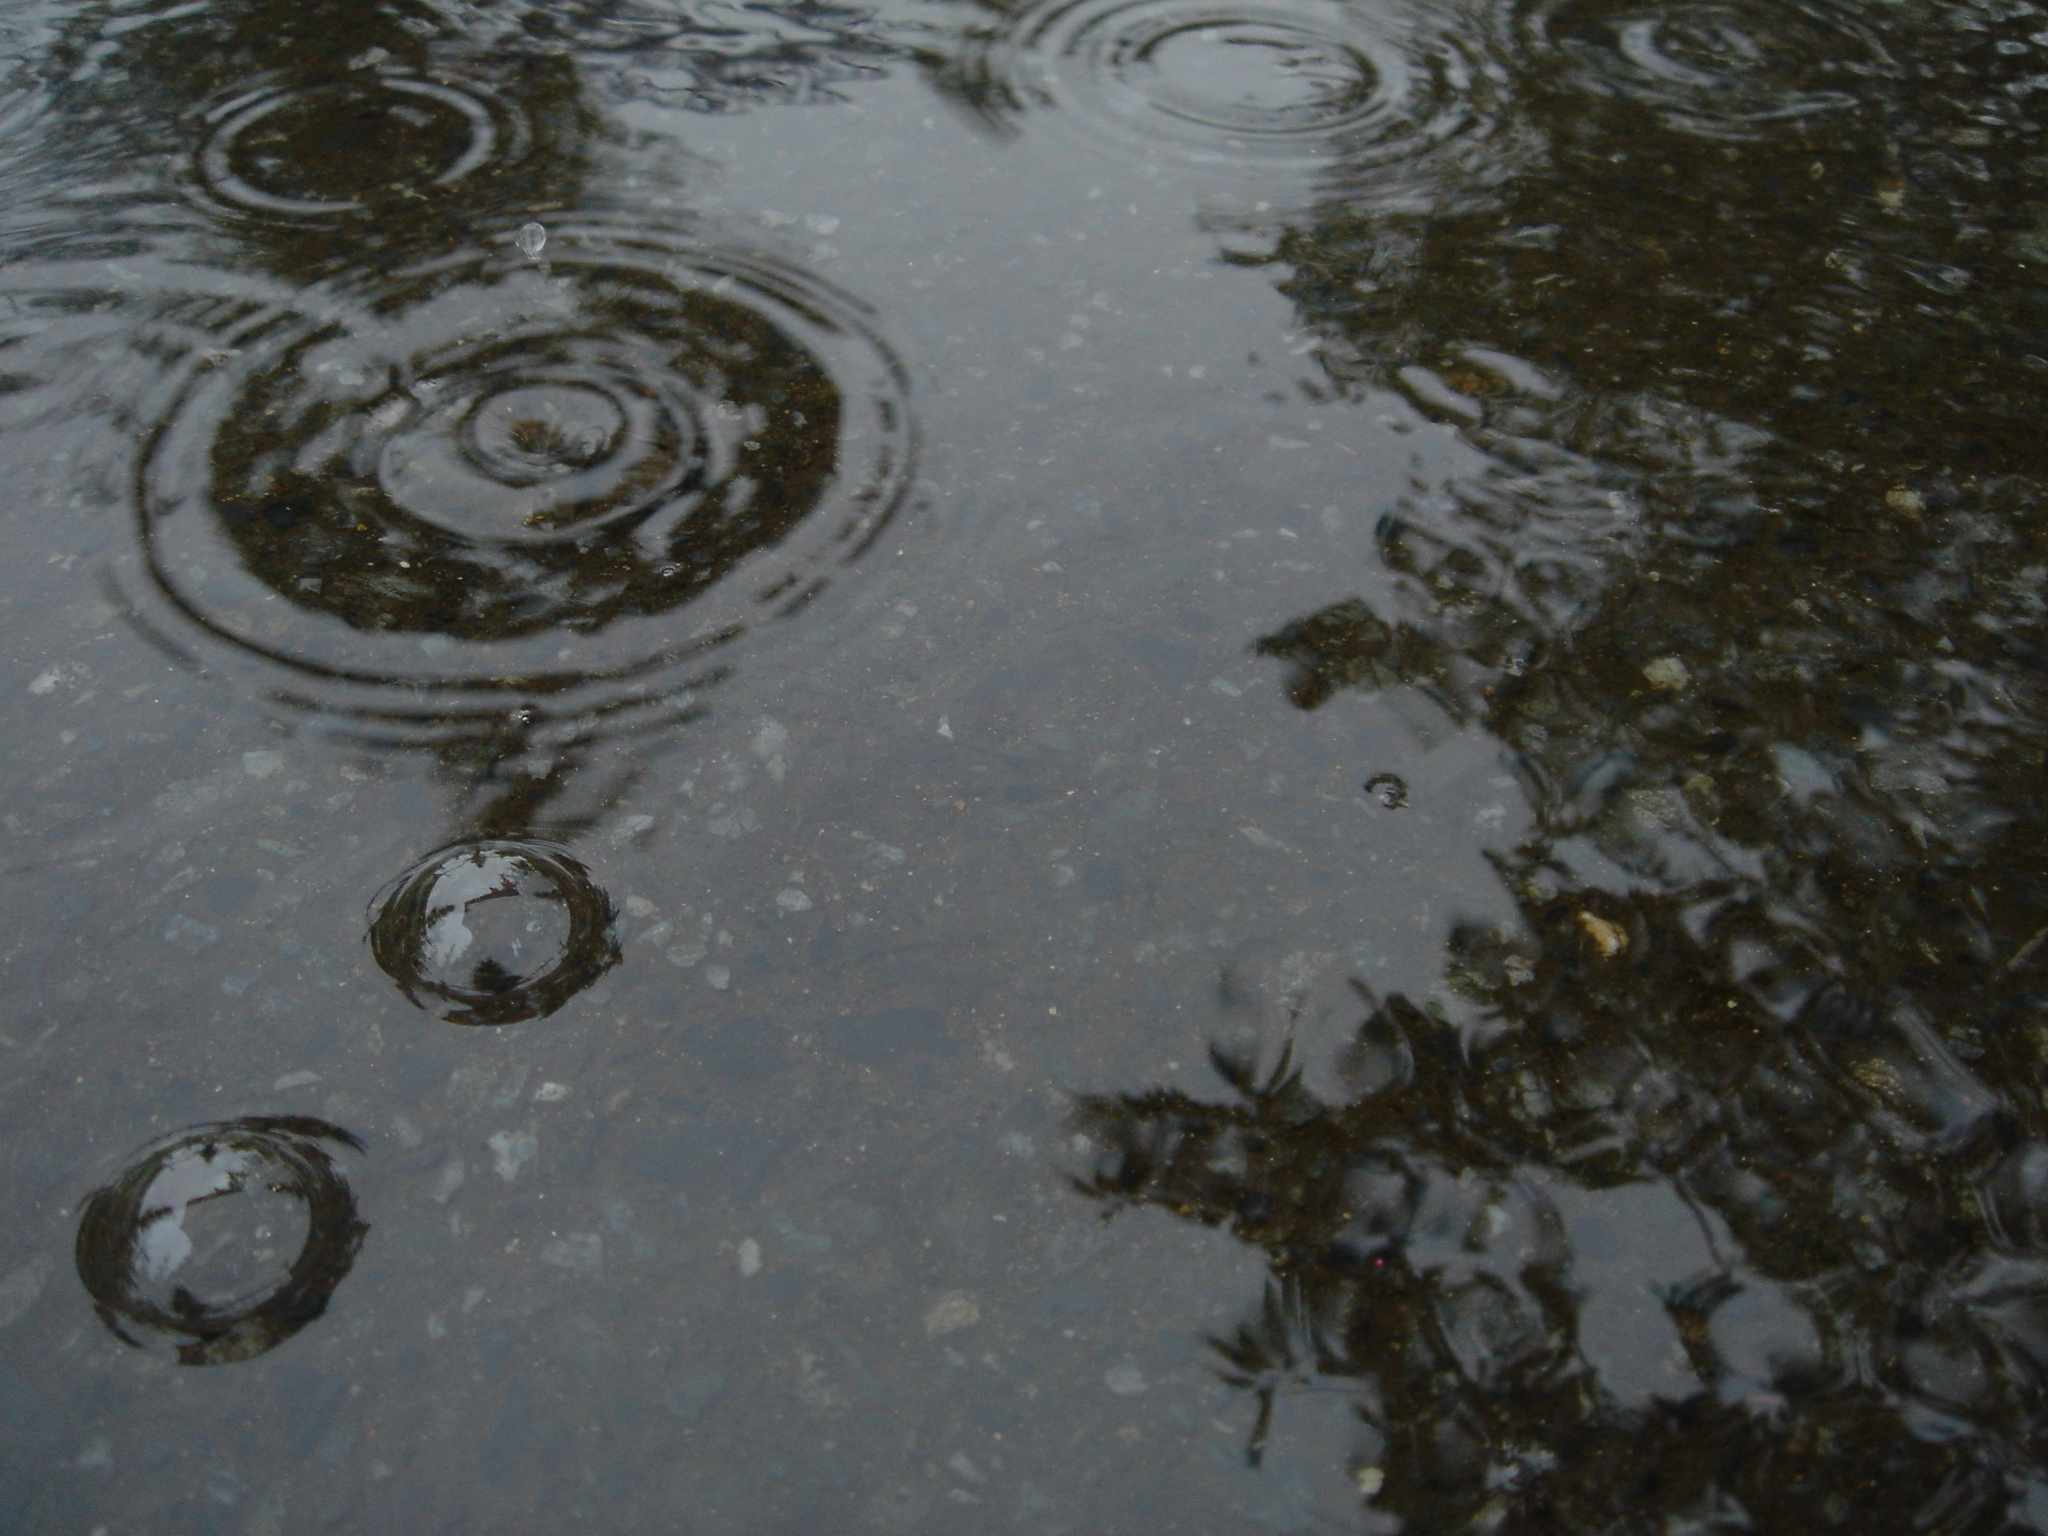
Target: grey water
1090,766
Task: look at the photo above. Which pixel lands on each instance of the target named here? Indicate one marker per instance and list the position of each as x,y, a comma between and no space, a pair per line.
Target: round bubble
221,1242
494,932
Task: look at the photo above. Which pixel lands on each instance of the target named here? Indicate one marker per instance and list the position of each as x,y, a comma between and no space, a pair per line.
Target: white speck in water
511,1151
1125,1380
950,1313
945,728
750,1259
532,238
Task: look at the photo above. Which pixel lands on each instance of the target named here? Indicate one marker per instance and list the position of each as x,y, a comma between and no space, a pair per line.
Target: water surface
1112,765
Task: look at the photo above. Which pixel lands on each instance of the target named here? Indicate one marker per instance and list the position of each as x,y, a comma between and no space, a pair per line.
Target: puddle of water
1269,766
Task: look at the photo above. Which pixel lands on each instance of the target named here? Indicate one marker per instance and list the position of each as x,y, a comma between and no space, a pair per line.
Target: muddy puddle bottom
1101,766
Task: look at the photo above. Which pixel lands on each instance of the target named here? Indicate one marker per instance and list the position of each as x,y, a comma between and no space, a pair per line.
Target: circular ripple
223,1241
272,147
483,487
1265,86
494,932
1719,68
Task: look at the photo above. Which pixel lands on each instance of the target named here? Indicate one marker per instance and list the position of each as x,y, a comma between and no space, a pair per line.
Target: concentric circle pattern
1312,85
268,147
484,488
494,932
223,1241
1717,68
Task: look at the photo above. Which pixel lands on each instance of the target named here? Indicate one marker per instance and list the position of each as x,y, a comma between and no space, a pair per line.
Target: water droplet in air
532,237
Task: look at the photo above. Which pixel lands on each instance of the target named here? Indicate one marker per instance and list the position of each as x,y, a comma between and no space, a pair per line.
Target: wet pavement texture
1086,767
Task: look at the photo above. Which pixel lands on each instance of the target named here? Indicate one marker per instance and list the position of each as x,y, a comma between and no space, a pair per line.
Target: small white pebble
1125,1380
1667,672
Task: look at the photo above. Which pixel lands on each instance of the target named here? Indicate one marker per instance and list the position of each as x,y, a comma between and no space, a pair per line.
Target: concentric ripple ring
268,147
1259,85
1714,68
221,1242
486,487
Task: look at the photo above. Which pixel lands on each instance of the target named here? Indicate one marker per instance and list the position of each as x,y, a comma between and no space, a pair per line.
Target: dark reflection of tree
324,135
1747,588
1419,1268
1865,275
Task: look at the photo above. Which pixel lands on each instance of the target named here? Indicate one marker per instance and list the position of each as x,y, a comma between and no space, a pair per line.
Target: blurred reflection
223,1241
1707,1194
1865,292
1632,1259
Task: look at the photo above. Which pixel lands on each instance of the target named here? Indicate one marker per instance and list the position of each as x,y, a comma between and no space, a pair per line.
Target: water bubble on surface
222,1241
494,932
492,455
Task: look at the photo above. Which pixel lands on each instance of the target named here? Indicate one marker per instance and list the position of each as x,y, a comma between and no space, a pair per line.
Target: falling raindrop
532,238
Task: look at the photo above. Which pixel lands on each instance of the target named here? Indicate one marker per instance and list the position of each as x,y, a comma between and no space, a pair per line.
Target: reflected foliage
1845,1307
1743,575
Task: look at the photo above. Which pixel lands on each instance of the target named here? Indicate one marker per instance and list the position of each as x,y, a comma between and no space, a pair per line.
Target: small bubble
532,237
1390,789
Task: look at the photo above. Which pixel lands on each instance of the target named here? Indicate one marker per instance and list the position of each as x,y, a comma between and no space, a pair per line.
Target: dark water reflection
1400,644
